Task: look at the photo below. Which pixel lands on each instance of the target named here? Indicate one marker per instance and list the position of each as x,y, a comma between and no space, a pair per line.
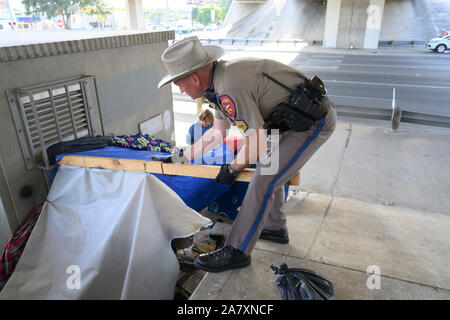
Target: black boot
222,259
279,236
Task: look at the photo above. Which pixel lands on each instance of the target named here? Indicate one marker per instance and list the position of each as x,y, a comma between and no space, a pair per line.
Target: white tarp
104,234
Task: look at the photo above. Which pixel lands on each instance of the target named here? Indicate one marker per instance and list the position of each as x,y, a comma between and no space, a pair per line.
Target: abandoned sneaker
278,236
222,259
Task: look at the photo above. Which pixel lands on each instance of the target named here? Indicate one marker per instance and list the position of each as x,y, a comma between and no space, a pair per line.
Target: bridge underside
358,24
339,23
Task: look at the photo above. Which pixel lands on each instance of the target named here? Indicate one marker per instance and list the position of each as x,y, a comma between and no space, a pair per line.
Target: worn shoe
278,236
223,259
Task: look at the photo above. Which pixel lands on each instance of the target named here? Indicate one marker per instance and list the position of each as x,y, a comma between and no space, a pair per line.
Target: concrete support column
135,13
331,23
353,24
373,27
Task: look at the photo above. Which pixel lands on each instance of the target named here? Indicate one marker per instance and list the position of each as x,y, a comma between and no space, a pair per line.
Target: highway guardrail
243,41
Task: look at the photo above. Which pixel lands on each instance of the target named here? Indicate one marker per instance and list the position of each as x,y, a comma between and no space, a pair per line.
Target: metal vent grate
49,113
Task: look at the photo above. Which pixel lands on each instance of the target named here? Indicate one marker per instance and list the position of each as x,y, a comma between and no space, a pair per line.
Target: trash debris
205,241
302,284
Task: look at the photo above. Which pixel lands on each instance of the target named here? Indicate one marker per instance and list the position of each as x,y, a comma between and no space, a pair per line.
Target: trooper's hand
226,174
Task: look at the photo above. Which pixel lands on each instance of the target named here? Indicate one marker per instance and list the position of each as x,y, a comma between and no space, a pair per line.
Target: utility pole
12,16
167,13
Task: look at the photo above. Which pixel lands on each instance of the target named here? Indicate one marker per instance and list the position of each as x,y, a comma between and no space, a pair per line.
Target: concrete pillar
353,24
167,16
135,13
373,27
331,23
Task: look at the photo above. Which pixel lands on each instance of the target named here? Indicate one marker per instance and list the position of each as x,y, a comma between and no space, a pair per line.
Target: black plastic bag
301,284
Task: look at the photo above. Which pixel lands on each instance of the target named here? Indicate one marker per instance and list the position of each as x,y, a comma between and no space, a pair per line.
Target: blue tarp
197,193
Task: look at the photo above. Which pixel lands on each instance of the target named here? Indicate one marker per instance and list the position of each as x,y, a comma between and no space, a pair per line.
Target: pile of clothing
142,142
16,244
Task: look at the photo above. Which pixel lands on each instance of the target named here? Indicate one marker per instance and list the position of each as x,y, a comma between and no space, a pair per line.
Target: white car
439,45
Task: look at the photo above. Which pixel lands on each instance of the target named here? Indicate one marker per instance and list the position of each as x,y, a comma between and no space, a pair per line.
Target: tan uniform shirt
247,98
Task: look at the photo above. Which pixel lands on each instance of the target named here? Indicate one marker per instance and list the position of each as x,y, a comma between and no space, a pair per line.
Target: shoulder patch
241,124
228,105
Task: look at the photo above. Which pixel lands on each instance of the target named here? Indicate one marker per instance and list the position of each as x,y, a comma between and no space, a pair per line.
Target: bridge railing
294,42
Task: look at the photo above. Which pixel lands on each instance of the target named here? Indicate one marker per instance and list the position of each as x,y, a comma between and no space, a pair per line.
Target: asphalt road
422,83
421,78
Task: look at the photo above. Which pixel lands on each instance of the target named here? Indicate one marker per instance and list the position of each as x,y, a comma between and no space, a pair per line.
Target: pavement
371,215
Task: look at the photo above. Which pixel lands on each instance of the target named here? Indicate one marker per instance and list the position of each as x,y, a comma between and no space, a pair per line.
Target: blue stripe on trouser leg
299,152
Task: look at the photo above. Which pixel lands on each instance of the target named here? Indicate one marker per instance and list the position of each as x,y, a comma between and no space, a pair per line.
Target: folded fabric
142,142
15,246
77,145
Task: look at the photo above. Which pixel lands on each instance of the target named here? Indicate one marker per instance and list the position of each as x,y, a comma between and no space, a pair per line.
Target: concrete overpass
339,23
358,24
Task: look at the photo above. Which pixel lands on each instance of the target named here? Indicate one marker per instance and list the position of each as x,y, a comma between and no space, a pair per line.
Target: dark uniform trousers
262,203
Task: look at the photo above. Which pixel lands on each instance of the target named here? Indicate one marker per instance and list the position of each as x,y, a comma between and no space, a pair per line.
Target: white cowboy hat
186,56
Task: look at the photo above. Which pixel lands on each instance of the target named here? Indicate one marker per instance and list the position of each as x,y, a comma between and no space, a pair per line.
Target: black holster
286,118
303,108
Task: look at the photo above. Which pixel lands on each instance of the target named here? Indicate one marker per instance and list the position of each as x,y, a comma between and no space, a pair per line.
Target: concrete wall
127,70
407,20
5,229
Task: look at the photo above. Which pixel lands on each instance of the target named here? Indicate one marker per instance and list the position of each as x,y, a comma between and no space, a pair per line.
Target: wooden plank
202,171
76,161
191,170
112,163
295,180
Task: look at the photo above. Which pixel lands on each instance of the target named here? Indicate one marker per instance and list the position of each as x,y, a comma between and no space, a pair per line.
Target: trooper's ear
195,78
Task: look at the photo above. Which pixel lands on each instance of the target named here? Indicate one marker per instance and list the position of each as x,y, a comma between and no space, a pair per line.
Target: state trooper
259,96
